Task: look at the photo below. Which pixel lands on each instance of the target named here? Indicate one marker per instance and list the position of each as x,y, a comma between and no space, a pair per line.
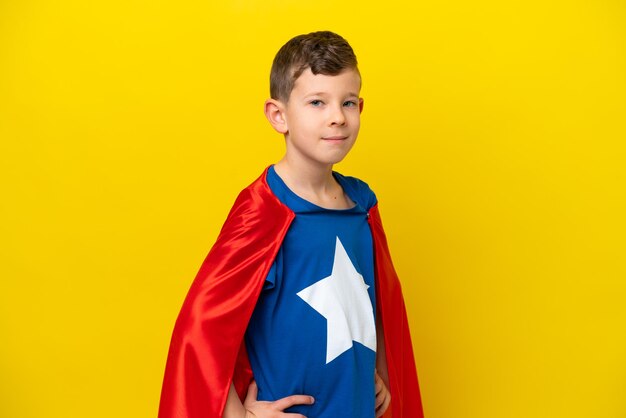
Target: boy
299,290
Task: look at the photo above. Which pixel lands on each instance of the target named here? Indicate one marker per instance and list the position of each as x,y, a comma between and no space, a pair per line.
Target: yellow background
493,134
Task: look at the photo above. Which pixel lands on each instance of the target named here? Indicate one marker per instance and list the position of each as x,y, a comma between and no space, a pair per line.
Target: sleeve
369,195
365,195
270,280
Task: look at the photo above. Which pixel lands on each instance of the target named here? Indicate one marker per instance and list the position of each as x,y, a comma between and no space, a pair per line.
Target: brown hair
323,52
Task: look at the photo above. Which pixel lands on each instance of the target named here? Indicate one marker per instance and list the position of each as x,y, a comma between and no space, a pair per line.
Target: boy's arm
234,408
260,409
381,376
381,354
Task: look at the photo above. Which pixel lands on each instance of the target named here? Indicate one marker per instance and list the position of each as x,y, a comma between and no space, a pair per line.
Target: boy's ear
275,114
360,105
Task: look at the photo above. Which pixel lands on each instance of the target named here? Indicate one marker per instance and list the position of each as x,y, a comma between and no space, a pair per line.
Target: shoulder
363,192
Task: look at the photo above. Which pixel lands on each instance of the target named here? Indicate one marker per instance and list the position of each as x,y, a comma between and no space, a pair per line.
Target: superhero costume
313,329
207,351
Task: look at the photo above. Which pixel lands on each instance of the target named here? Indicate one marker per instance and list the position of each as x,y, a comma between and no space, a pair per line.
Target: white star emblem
343,300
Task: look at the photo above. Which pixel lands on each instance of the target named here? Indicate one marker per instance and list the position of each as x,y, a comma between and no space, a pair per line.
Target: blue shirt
313,328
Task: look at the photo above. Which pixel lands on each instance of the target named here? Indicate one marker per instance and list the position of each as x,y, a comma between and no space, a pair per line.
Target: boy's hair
323,52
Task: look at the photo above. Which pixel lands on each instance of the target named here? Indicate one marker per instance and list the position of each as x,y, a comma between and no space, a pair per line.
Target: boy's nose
337,117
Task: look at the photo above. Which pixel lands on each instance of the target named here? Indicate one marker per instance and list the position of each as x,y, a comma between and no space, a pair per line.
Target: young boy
298,292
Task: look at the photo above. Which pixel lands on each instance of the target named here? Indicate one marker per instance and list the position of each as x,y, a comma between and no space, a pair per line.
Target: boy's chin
335,160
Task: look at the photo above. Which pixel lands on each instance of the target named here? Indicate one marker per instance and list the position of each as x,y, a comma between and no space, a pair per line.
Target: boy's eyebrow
321,93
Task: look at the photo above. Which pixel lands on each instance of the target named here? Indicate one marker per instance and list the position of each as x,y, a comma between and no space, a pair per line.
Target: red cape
207,351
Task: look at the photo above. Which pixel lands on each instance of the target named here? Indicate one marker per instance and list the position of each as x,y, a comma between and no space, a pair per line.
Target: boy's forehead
346,82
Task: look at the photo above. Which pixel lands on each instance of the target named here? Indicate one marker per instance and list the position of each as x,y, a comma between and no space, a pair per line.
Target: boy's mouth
334,138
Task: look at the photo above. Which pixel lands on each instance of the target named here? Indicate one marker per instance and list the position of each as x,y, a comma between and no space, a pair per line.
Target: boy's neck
315,184
314,179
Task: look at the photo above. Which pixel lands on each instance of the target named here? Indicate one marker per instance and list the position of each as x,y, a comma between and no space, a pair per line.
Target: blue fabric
286,338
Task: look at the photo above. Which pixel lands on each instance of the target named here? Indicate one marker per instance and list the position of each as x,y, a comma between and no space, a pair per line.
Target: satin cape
207,351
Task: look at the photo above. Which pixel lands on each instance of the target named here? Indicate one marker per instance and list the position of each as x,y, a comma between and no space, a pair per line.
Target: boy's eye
349,103
316,102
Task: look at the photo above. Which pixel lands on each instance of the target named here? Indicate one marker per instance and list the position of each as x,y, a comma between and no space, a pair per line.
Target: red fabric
406,401
207,351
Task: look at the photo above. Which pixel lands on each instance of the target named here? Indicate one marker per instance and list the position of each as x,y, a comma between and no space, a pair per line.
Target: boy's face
322,117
